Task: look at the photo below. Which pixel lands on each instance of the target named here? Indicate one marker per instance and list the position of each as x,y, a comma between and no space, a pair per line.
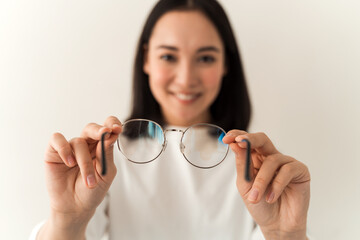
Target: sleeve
97,227
99,223
36,230
256,234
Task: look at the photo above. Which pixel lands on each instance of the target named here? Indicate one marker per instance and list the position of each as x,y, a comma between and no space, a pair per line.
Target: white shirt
171,199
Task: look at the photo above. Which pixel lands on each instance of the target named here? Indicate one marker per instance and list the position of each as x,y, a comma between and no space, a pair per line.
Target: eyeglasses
142,141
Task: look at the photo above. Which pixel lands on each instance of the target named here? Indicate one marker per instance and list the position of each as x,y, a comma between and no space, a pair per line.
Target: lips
186,97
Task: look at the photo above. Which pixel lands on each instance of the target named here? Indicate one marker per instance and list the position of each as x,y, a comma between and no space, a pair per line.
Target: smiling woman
194,59
66,63
185,62
186,73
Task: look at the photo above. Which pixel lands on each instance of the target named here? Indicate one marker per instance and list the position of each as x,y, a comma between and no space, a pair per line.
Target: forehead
185,29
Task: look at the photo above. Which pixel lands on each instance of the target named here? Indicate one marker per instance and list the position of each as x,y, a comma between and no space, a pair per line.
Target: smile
186,98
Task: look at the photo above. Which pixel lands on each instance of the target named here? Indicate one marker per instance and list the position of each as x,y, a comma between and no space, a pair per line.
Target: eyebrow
208,48
202,49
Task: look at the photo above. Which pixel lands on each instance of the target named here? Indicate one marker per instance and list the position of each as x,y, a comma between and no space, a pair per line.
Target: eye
168,57
207,59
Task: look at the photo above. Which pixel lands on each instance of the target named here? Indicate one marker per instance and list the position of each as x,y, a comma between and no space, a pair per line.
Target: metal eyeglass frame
248,152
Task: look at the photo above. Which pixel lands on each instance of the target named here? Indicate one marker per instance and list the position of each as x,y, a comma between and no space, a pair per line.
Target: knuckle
288,168
260,182
111,119
88,128
57,143
303,170
78,141
263,135
272,159
231,132
89,125
306,168
299,164
240,132
278,183
236,132
64,149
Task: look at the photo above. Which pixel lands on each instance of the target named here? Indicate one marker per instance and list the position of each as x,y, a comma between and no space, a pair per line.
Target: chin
187,118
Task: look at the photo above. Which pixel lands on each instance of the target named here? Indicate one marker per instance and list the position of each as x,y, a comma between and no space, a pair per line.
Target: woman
187,71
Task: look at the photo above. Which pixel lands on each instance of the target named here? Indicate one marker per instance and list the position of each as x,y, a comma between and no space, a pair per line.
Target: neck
202,118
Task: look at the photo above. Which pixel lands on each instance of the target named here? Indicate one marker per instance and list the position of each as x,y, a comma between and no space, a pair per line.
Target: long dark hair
231,109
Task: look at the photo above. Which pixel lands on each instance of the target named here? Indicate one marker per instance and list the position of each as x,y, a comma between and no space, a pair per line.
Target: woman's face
185,62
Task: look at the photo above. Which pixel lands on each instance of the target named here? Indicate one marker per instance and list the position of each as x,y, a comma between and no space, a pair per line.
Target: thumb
244,167
107,142
108,139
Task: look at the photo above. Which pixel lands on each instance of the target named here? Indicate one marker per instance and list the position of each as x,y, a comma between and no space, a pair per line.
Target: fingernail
253,195
270,197
242,143
71,160
116,125
230,135
91,181
239,139
103,129
107,136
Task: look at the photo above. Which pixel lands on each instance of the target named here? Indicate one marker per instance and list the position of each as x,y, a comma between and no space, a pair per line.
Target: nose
186,76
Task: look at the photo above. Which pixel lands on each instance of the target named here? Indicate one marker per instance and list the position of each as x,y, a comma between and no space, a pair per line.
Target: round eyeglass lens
202,145
141,141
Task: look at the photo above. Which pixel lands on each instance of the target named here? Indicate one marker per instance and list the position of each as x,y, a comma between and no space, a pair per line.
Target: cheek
160,73
159,79
212,80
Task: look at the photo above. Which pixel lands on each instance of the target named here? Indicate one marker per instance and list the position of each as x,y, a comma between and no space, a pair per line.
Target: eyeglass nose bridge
173,130
182,147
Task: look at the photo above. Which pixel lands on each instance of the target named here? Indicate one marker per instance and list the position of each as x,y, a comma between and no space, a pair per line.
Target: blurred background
66,63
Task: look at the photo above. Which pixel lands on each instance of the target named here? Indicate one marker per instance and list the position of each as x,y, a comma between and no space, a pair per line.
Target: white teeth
185,97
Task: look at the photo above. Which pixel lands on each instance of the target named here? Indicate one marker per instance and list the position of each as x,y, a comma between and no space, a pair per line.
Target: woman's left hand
278,195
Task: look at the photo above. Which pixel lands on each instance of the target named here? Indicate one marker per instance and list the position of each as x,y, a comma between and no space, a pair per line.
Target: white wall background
66,63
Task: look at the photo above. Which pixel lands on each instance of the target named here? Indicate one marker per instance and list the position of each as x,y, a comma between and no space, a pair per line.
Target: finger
58,144
264,177
231,135
110,137
113,123
105,149
240,156
93,131
259,141
84,160
293,171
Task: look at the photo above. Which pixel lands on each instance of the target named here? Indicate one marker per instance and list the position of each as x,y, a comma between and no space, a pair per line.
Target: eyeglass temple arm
248,160
103,158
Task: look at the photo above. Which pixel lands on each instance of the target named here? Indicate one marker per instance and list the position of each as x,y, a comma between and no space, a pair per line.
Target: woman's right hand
73,176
